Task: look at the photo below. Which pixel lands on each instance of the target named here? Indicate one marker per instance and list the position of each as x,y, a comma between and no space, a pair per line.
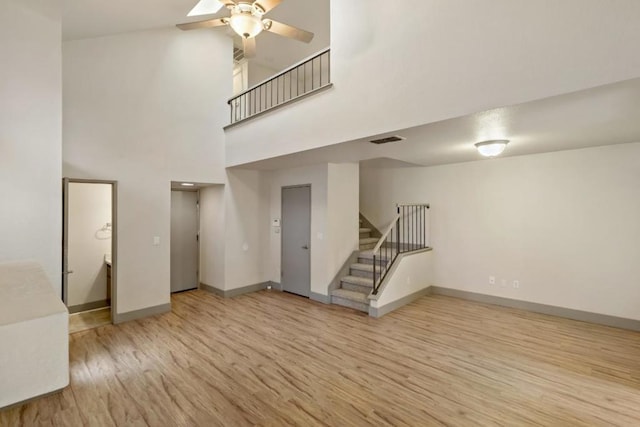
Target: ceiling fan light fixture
492,148
246,25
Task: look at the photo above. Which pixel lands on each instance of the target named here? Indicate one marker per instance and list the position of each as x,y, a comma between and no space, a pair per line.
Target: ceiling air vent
387,139
238,54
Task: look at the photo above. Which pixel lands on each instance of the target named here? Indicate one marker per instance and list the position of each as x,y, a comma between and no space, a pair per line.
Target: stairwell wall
466,57
563,224
343,214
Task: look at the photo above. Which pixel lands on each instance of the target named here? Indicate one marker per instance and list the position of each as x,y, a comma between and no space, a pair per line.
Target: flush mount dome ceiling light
492,148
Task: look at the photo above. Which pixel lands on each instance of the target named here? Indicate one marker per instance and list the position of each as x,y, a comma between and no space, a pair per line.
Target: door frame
286,187
114,238
197,191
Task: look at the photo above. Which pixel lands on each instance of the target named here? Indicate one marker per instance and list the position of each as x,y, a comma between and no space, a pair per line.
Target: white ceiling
94,18
599,116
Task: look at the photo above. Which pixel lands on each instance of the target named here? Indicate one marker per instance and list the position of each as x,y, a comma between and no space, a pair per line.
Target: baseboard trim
230,293
325,299
89,306
388,308
139,314
276,286
568,313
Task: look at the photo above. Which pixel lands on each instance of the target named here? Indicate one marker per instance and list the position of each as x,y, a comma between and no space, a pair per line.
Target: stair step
368,253
351,299
357,284
356,280
365,230
383,257
351,295
364,267
368,240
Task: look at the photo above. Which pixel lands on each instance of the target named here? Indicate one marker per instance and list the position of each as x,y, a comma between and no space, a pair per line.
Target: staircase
355,288
406,233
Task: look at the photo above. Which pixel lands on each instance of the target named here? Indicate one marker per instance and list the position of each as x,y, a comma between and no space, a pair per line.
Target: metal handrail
281,73
399,205
308,76
410,227
376,248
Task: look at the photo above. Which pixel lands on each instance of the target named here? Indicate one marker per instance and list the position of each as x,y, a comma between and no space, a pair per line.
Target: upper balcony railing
304,78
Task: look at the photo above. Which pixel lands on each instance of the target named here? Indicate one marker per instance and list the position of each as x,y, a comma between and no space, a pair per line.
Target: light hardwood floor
89,319
275,359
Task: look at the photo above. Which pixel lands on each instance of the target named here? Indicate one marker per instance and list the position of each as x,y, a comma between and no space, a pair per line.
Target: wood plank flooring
89,319
274,359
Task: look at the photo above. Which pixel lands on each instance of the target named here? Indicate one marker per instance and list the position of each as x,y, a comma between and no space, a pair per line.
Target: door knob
305,247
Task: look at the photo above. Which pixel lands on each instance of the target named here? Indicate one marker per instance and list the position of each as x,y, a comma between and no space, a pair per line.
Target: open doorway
89,262
185,239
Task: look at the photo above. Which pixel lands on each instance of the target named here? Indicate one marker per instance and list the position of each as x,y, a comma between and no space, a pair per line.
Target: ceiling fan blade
287,31
209,23
267,5
249,47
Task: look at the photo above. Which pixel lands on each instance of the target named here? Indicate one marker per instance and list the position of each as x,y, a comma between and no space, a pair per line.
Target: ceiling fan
247,21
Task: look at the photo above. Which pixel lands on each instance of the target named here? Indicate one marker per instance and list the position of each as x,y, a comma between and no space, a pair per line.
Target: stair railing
407,232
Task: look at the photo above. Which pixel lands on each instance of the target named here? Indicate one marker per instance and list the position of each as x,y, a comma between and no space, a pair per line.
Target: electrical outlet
492,280
516,284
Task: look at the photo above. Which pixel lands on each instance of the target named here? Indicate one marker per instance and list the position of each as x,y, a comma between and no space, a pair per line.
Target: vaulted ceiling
93,18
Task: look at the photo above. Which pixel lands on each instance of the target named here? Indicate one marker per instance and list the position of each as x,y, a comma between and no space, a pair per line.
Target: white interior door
296,233
184,240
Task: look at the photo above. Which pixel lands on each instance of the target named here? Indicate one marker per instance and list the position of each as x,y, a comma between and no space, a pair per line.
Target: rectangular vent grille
387,139
238,54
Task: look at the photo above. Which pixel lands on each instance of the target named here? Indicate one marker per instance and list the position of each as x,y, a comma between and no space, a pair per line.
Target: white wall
144,109
410,274
468,57
246,228
259,73
564,224
89,242
212,236
30,134
334,218
343,215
